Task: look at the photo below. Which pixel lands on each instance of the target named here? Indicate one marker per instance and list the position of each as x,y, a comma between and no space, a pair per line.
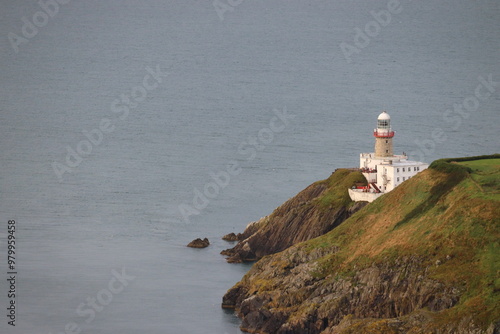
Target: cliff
313,212
423,258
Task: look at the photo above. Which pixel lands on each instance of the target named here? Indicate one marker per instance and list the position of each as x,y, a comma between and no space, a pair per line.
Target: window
386,151
414,169
404,178
397,179
386,141
397,170
383,124
418,168
403,169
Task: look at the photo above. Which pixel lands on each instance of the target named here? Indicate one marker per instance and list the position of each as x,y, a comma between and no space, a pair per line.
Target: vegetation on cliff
313,212
424,258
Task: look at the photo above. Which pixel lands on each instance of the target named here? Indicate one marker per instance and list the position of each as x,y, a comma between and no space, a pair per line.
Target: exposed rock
309,214
198,243
311,305
236,258
232,237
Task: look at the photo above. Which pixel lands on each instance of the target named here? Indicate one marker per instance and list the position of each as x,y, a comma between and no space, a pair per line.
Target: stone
231,237
198,243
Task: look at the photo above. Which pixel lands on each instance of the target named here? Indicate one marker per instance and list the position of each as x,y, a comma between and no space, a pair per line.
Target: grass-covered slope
424,258
314,211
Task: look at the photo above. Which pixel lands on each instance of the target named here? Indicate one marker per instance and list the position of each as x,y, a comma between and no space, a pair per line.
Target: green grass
485,176
457,164
338,183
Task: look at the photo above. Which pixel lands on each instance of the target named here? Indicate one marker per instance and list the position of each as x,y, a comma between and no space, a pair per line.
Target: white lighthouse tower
383,170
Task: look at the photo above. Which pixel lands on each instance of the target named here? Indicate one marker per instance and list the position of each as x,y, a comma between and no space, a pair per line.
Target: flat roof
397,160
407,163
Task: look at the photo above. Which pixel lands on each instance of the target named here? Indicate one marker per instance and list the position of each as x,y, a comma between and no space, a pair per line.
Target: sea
129,128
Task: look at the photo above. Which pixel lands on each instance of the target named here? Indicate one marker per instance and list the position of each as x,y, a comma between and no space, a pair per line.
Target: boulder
231,237
198,243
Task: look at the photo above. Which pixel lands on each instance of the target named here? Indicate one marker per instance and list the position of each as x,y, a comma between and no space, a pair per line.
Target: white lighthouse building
382,169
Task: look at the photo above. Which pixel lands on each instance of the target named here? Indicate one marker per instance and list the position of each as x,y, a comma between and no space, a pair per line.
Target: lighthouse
383,169
383,136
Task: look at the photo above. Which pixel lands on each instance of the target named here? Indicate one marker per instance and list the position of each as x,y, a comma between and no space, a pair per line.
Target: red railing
383,134
367,170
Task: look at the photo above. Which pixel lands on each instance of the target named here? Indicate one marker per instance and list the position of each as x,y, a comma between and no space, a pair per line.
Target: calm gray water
121,207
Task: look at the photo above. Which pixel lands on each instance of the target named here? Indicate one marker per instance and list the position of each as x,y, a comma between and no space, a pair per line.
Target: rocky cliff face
309,214
314,304
421,259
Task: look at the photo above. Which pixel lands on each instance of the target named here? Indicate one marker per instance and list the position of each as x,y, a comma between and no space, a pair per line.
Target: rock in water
231,237
198,243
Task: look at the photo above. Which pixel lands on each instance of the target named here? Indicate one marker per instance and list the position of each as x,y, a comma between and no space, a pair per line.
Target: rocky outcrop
311,304
232,237
313,212
199,243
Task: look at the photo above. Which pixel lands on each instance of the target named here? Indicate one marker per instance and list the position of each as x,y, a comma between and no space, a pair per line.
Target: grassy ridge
485,177
447,215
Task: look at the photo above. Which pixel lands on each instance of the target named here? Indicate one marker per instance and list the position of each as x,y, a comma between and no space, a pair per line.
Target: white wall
362,196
